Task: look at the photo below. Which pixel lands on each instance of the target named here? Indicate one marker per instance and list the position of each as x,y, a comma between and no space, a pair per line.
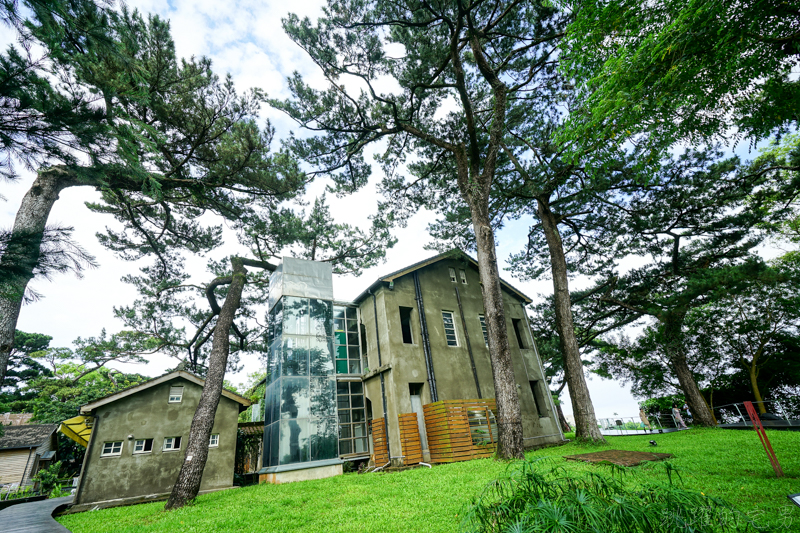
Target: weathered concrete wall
148,415
451,364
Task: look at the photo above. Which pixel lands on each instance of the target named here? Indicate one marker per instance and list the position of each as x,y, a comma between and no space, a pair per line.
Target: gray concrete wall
451,365
147,414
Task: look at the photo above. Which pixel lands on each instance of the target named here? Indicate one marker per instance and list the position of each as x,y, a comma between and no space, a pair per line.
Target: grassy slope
728,464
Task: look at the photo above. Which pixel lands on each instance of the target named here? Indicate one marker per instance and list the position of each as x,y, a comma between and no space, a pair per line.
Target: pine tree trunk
753,371
188,483
509,417
29,227
585,420
562,419
673,344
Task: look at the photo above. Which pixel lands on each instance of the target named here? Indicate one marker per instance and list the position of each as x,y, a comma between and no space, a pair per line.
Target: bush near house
725,464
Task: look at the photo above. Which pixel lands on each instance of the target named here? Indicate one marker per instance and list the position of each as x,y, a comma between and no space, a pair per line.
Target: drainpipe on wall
541,370
469,346
380,363
426,341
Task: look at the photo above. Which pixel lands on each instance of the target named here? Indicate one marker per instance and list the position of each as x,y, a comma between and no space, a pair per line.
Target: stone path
33,517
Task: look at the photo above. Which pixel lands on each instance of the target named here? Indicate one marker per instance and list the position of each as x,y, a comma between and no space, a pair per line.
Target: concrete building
414,337
24,450
139,436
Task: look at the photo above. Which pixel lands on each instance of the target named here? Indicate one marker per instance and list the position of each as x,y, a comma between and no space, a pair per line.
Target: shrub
48,478
538,496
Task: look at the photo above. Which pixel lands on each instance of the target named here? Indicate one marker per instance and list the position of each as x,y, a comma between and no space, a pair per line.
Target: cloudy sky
245,39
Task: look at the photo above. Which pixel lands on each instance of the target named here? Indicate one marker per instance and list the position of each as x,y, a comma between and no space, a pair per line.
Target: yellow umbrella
78,429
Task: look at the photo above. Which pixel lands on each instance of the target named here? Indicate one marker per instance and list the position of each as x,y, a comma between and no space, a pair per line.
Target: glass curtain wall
300,417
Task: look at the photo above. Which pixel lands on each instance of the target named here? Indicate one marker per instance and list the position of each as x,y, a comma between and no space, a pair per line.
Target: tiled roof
29,436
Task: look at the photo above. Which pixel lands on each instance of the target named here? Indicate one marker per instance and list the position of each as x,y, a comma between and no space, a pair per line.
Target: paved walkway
33,517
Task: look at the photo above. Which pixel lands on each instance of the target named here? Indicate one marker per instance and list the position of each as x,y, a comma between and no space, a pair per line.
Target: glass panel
341,352
351,312
344,432
321,356
345,447
276,401
267,399
343,402
267,442
274,454
320,322
295,356
338,325
341,366
358,415
353,352
344,417
294,441
352,326
355,367
295,398
277,320
361,445
322,394
359,430
352,339
357,400
338,312
340,337
356,387
341,387
324,443
295,319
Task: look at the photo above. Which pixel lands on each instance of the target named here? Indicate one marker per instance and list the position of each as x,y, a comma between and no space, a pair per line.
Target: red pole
762,435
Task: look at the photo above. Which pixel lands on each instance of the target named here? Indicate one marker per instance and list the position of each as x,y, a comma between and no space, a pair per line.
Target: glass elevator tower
300,425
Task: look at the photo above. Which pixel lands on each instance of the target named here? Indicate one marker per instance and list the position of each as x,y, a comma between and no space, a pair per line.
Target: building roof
27,436
188,376
455,253
15,419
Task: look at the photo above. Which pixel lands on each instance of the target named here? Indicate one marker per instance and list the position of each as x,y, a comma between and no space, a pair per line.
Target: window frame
454,328
178,396
144,443
213,443
463,274
103,452
452,272
484,329
172,447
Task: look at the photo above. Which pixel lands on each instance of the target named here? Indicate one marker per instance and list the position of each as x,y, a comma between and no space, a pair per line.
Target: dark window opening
363,339
539,399
405,324
415,389
517,323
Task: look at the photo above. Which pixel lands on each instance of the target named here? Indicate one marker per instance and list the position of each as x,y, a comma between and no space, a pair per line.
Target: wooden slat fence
380,446
409,439
460,430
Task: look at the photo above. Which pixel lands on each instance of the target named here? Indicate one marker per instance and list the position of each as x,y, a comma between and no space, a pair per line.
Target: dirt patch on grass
619,457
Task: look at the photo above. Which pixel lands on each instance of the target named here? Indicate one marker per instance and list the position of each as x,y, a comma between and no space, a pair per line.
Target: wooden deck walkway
33,517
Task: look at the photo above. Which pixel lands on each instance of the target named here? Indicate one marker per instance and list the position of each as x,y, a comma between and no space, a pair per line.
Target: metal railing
735,413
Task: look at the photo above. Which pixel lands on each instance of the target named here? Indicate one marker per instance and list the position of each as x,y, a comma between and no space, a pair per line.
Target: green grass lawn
728,464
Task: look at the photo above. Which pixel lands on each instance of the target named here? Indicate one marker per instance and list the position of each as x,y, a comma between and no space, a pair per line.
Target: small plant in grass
539,496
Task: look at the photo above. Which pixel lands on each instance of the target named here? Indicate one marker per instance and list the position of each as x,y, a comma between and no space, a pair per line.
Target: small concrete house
24,450
351,380
139,437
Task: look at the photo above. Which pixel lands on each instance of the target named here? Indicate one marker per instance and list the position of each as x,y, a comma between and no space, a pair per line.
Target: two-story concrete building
414,337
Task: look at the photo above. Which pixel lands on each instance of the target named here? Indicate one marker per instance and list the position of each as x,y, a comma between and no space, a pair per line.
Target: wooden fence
460,430
380,446
409,439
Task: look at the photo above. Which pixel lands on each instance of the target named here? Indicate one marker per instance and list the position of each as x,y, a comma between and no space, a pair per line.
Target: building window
352,419
517,323
111,449
539,399
345,339
172,443
213,442
483,329
175,394
463,274
453,275
405,324
449,328
143,446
